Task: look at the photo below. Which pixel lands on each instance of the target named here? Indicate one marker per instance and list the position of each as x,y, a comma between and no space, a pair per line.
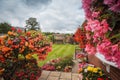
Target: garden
59,59
95,46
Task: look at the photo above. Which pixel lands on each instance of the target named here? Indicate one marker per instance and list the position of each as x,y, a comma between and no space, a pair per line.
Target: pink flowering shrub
102,28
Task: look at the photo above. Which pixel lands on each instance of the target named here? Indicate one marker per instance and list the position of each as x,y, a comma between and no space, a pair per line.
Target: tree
5,27
32,24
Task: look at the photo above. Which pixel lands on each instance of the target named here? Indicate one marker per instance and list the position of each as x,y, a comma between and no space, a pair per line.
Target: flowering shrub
79,37
89,72
59,64
102,28
17,47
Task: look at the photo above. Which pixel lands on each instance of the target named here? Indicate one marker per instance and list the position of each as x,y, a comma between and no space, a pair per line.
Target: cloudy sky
53,15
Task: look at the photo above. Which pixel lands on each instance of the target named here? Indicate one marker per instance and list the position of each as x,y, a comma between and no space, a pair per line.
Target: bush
16,51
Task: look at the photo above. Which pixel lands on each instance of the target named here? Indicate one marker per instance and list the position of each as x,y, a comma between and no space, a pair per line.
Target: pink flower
109,2
114,48
92,25
98,28
88,36
105,26
95,14
95,38
86,6
88,28
116,7
90,49
117,56
110,51
104,47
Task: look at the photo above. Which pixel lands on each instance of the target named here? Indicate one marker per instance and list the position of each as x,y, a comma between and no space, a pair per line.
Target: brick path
55,75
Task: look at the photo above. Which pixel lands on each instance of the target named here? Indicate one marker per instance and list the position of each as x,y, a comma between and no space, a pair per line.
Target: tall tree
32,24
4,27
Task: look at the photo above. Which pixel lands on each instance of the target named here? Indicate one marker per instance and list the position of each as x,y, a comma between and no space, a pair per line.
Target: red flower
28,33
19,30
106,79
100,79
13,28
10,42
2,59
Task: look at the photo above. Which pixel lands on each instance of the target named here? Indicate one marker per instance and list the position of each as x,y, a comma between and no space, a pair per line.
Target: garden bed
59,64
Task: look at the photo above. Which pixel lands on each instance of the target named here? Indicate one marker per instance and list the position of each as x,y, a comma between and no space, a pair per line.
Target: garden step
56,75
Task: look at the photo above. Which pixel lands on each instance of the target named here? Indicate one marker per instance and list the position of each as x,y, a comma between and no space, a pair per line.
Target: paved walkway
75,67
55,75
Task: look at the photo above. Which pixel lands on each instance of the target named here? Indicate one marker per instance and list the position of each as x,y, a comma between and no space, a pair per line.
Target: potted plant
90,72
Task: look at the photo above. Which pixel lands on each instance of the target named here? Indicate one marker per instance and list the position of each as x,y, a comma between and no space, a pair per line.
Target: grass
59,50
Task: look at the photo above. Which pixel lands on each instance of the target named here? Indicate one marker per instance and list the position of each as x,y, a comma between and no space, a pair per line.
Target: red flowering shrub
27,70
48,67
79,37
17,48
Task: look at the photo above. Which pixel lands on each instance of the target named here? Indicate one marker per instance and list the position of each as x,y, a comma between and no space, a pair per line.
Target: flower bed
59,64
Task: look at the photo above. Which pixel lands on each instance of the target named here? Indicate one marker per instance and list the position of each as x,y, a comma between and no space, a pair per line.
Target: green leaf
115,36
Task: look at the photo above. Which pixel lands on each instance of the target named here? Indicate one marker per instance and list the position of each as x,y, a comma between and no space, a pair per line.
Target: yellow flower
89,68
58,67
100,73
98,68
10,33
28,56
95,70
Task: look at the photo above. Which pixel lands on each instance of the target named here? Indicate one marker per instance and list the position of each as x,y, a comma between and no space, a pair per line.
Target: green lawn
59,50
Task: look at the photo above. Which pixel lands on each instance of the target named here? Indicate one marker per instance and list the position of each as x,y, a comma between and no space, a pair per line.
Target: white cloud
53,15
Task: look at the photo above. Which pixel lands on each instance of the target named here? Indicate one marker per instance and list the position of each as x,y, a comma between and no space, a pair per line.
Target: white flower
85,70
